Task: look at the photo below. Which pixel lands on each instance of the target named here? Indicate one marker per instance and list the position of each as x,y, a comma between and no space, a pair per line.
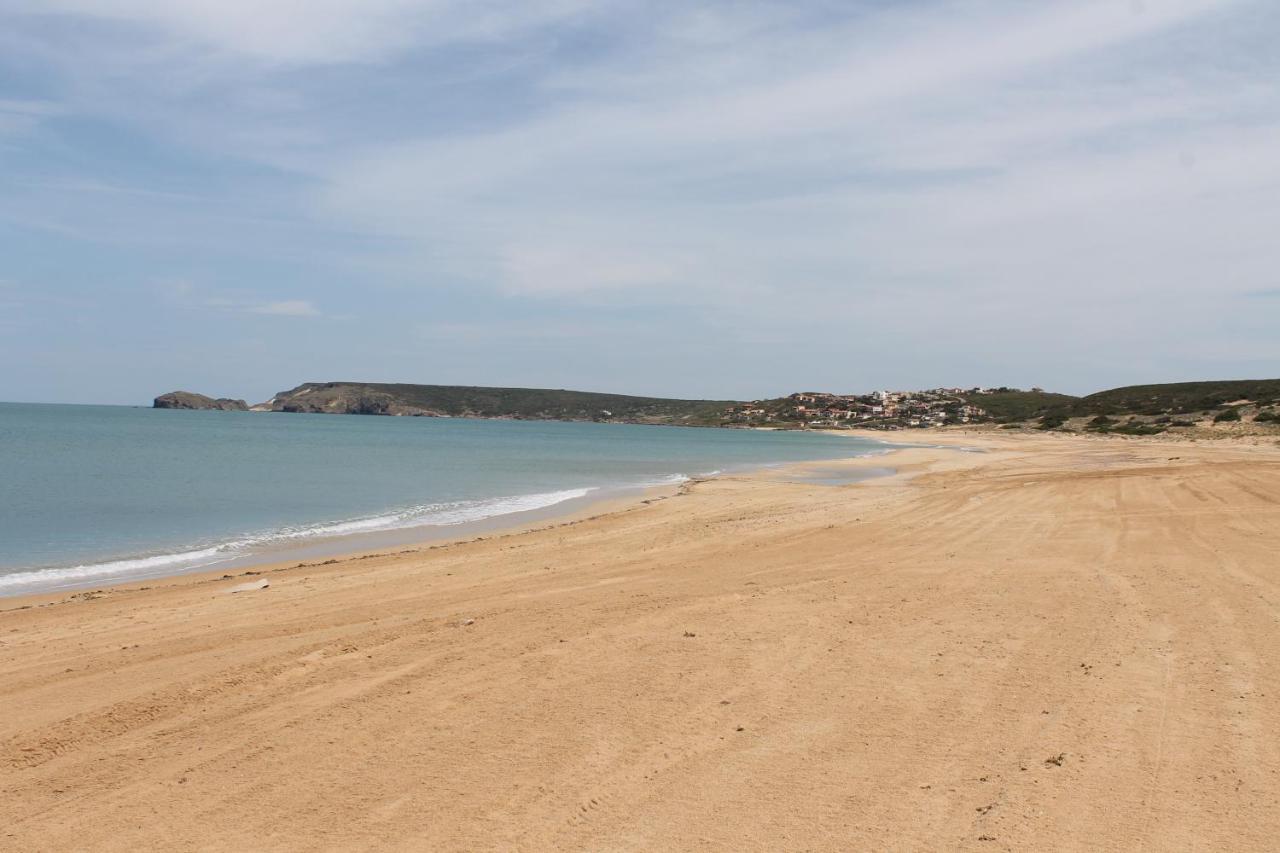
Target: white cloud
21,116
832,166
545,267
317,31
16,106
287,308
902,143
184,293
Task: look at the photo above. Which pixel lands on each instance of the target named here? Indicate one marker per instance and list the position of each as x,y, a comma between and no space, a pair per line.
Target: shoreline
496,527
326,550
349,545
323,550
143,497
1052,639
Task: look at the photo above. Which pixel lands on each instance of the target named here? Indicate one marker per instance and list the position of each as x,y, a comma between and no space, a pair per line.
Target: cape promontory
466,401
188,400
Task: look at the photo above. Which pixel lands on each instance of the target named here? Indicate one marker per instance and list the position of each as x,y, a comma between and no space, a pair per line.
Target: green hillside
480,402
1177,398
1020,405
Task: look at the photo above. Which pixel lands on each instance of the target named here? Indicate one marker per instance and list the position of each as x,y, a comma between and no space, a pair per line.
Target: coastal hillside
1011,404
189,400
1193,409
466,401
1214,408
1134,409
893,410
1178,398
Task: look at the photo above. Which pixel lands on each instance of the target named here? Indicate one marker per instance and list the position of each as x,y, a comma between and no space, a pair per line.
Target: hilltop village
887,410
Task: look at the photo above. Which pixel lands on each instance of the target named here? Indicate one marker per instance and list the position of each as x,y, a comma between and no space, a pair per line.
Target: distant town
888,410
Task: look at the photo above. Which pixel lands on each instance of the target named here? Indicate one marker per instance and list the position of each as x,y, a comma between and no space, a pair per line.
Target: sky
695,199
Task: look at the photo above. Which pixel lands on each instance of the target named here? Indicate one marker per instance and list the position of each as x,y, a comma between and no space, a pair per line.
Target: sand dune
1056,644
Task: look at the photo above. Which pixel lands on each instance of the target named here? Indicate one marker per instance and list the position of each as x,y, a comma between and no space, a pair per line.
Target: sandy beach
1058,643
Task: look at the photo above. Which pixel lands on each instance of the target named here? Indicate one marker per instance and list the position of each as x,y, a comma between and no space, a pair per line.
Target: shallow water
105,493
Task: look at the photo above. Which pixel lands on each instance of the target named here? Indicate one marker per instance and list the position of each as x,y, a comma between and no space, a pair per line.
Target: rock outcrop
188,400
340,398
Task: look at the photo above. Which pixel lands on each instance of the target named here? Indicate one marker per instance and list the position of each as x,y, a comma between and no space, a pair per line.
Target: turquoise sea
99,494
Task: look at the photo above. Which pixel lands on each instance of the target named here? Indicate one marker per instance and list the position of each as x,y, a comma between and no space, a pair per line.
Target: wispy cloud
916,129
288,308
242,305
815,175
185,293
24,115
316,32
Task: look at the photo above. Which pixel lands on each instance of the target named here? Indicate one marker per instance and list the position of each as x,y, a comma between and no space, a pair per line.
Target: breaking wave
425,515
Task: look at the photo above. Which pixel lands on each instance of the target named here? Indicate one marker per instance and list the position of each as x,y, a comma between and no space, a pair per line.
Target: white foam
669,480
425,515
57,578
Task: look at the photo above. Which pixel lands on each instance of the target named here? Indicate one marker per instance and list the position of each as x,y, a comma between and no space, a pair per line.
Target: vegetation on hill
478,402
1013,405
1177,398
1132,410
1153,409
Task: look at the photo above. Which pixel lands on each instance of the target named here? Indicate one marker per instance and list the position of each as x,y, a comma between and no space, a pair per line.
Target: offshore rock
188,400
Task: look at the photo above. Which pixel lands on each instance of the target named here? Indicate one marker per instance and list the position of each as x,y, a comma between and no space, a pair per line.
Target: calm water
103,493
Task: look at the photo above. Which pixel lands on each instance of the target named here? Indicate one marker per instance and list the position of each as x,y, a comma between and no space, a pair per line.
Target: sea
91,495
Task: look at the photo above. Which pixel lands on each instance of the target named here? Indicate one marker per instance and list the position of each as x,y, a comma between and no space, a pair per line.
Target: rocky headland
189,400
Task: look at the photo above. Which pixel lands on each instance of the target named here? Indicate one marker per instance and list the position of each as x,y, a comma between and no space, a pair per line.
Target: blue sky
721,199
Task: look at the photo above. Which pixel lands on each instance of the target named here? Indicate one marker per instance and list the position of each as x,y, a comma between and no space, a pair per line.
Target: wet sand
1058,643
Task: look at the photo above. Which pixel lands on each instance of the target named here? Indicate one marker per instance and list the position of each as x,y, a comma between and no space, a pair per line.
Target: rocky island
189,400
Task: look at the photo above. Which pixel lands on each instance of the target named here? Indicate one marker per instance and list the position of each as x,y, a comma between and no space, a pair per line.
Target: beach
186,491
1056,643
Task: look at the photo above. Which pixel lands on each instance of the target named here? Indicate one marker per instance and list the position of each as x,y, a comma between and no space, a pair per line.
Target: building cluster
878,410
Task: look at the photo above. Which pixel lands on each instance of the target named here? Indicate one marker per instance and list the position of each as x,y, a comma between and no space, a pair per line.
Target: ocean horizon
108,494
